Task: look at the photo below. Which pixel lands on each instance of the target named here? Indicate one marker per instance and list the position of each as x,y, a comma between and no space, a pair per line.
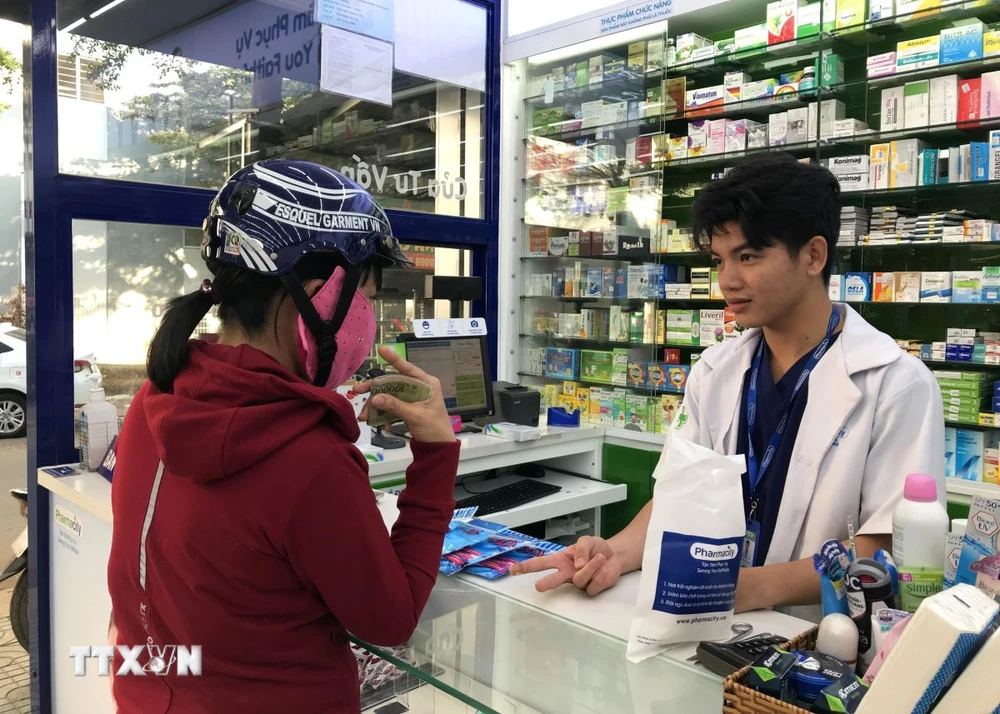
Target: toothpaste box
906,287
935,287
966,286
883,285
858,287
962,43
916,104
777,129
881,65
921,53
704,101
950,440
836,288
982,536
990,95
893,105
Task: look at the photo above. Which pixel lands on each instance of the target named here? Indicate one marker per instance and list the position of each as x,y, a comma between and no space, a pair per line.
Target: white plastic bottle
919,525
98,425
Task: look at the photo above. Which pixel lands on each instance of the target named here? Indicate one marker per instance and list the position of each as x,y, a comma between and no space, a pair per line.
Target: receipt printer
517,404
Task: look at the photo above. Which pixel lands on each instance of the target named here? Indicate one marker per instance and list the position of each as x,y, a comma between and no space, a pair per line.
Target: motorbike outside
18,567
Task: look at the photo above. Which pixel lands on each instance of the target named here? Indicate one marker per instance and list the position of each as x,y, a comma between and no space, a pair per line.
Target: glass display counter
476,650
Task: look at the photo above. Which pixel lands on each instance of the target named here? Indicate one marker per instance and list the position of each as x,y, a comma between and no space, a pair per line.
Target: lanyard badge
756,471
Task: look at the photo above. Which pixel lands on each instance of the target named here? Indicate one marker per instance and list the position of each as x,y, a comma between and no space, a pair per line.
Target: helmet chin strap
323,331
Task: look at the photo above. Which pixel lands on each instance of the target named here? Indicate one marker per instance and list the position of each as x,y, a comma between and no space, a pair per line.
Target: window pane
188,94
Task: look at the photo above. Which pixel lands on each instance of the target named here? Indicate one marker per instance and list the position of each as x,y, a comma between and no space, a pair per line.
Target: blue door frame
54,200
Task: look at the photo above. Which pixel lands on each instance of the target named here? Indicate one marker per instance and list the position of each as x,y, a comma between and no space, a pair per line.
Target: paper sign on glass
356,66
369,17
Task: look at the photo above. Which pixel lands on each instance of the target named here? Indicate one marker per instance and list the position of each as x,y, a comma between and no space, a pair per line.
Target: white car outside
14,380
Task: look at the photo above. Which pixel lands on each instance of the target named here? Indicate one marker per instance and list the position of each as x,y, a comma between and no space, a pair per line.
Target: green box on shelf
832,71
618,407
547,120
596,366
619,367
725,47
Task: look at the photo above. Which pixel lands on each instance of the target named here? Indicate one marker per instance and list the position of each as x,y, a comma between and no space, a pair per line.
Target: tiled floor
15,695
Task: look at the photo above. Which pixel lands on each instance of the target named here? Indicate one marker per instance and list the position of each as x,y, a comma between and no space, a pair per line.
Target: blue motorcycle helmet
272,214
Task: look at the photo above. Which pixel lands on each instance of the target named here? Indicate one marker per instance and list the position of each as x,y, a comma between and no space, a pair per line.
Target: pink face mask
355,338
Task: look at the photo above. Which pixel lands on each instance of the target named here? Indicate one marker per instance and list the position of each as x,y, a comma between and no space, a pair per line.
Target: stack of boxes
965,42
854,224
959,286
964,345
967,396
852,172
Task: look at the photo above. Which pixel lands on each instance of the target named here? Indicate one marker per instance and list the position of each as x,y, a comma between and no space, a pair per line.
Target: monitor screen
461,365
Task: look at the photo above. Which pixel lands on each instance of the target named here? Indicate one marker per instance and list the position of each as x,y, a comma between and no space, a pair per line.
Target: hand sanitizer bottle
98,426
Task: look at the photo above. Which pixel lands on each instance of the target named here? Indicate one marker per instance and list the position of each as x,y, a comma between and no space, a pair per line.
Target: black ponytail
245,298
168,351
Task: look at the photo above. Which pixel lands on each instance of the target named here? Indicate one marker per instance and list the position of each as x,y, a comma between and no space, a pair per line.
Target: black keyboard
724,659
509,496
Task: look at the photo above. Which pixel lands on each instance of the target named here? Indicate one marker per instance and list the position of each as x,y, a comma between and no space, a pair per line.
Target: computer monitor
462,365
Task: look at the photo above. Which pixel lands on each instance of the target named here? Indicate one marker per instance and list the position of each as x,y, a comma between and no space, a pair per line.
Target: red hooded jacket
260,540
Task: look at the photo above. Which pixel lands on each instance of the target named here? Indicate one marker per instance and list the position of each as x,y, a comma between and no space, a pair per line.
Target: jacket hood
233,407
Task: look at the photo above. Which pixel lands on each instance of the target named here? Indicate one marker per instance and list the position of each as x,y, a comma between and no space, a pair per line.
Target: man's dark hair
775,199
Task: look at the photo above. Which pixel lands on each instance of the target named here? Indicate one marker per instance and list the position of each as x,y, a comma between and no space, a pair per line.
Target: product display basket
737,698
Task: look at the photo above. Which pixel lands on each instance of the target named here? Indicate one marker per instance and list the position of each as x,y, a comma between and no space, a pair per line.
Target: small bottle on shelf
671,53
807,85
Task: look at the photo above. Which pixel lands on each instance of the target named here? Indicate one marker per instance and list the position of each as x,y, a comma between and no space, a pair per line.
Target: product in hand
462,536
403,388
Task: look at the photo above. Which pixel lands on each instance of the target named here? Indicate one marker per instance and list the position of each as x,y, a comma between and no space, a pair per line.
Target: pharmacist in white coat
830,413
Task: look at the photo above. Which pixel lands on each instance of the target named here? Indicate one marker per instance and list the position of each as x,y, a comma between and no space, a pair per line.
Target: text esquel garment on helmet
262,541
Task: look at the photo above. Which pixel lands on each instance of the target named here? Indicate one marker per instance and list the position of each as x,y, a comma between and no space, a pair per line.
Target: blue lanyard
756,472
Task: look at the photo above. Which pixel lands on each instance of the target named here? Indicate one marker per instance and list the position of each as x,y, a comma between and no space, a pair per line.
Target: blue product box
961,44
674,274
595,282
996,404
926,352
559,282
969,445
621,283
608,282
858,287
996,388
654,282
929,167
562,363
980,161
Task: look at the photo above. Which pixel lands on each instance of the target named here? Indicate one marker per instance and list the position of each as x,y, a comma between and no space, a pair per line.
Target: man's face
761,286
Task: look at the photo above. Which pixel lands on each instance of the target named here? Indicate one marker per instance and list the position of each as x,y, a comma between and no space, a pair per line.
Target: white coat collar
863,346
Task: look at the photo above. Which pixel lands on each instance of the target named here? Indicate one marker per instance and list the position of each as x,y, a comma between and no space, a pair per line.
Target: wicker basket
740,699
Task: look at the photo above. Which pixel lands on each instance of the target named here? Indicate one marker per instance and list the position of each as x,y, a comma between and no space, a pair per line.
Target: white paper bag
692,556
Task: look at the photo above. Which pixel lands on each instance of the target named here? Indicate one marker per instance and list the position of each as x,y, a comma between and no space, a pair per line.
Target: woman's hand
427,421
591,565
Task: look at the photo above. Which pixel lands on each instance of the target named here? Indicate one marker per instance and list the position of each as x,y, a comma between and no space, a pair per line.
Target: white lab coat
873,415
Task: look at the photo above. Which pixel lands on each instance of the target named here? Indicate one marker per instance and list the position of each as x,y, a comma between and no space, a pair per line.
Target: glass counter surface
499,655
